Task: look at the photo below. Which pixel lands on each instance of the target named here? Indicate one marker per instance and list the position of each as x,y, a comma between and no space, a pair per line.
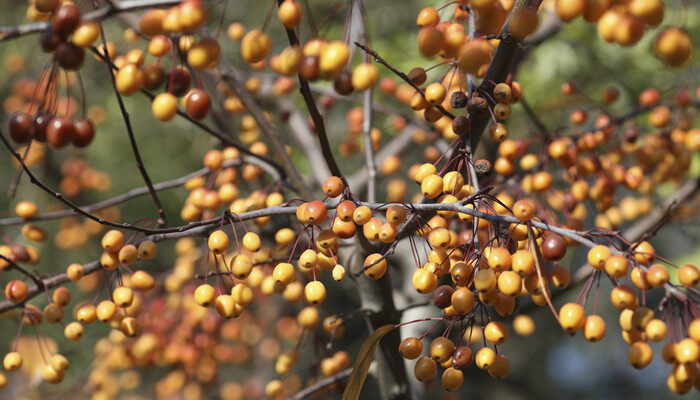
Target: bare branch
130,131
13,32
319,124
322,384
120,198
401,75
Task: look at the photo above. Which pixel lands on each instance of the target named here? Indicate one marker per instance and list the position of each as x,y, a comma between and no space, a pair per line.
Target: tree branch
401,75
13,32
319,124
162,221
120,198
308,391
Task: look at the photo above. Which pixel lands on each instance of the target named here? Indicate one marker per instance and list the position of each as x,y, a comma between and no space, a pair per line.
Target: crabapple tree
350,220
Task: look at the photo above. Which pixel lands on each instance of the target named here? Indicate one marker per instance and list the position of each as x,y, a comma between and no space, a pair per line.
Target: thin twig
322,384
401,75
116,200
162,221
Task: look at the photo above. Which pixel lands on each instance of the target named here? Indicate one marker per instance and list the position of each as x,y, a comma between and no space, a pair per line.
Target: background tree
352,195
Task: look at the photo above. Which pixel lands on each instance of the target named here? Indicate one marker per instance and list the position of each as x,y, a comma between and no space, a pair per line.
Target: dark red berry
343,83
461,125
65,19
198,104
84,132
70,56
60,131
179,80
442,296
41,122
309,68
49,41
417,75
554,247
153,76
21,125
458,99
462,356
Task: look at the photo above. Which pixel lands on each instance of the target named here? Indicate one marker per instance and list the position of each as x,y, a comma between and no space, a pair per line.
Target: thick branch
501,66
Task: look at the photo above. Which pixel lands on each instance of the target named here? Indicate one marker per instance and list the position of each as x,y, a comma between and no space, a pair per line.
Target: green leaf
364,359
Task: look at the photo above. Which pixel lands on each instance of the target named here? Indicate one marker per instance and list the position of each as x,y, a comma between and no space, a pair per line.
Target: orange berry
572,317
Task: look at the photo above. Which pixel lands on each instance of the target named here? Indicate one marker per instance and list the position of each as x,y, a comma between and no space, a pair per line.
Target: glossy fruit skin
74,331
65,19
554,247
284,273
16,291
129,79
452,379
164,106
198,104
598,255
255,46
425,369
60,132
179,80
594,328
640,355
112,240
290,13
496,332
333,187
12,361
218,242
315,292
411,348
462,357
378,267
441,349
205,295
84,132
572,317
442,296
485,357
41,123
689,275
21,126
